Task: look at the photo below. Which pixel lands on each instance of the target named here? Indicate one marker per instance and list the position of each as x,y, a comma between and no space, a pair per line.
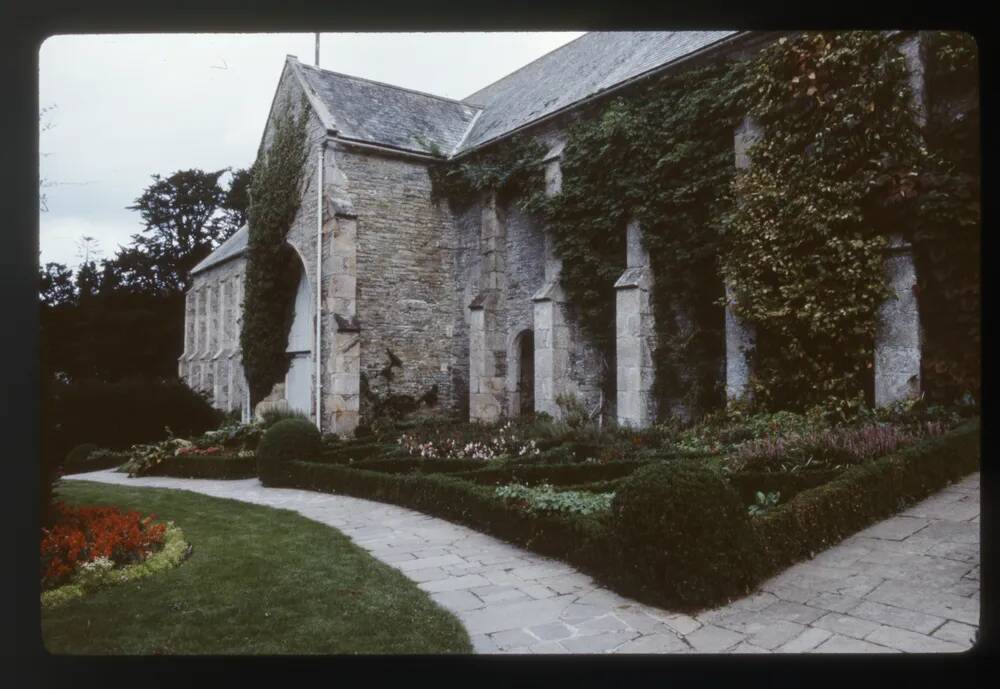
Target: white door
298,383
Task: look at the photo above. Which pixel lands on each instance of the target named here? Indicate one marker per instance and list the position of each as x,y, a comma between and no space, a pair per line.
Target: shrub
286,440
685,535
831,448
80,454
819,517
206,466
120,414
273,416
100,458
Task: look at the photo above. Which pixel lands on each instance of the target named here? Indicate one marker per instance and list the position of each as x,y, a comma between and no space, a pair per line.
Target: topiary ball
685,537
295,438
79,454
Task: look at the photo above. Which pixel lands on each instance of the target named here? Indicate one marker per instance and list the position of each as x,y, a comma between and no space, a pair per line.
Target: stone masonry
635,339
453,288
740,335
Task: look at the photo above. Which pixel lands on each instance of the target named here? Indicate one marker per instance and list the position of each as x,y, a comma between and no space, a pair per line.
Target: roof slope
379,113
231,248
584,67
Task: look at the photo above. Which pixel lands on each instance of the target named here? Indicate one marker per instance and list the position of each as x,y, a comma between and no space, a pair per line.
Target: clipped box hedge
554,474
788,484
583,540
862,495
211,467
816,517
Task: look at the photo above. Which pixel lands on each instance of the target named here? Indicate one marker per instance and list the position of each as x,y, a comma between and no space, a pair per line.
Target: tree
56,284
185,218
238,198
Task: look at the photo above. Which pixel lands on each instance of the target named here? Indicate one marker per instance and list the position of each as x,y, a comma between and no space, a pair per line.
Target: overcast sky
125,107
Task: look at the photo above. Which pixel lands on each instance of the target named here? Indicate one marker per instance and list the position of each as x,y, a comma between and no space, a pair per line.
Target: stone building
467,297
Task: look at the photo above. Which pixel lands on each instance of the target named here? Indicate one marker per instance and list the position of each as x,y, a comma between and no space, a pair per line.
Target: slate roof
580,69
231,248
380,113
374,112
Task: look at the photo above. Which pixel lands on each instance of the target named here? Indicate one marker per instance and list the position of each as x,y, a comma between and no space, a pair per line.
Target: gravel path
909,583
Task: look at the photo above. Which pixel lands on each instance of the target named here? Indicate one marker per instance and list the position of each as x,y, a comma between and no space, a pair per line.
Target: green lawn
260,581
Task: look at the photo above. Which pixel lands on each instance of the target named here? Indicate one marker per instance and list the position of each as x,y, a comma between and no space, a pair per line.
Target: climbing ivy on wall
948,227
272,272
663,157
829,179
800,235
513,170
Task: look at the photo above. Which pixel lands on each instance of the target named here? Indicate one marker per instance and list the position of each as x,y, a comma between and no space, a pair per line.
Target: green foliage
117,415
948,224
514,170
79,454
273,416
764,503
260,581
545,498
99,458
284,441
100,573
799,235
817,518
185,215
273,268
684,533
804,242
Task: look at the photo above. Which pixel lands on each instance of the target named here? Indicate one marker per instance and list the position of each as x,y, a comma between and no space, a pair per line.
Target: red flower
86,533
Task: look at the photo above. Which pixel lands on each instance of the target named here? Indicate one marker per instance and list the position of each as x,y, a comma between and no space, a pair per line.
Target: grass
260,581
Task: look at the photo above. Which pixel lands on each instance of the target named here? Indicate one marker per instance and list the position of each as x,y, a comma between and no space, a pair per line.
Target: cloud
130,106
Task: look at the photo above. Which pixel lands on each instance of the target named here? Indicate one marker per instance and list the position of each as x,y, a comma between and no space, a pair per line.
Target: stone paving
907,584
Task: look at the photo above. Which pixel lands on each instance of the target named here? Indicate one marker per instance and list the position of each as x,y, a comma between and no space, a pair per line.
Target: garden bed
821,507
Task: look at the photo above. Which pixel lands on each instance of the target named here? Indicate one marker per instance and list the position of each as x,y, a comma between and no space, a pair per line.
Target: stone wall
211,361
405,292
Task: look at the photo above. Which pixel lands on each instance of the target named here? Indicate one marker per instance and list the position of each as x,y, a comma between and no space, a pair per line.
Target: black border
26,24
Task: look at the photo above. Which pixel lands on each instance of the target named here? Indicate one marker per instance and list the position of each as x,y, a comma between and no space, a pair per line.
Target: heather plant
831,448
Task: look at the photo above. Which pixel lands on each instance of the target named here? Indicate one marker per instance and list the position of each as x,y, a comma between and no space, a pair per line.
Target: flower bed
102,572
819,509
82,535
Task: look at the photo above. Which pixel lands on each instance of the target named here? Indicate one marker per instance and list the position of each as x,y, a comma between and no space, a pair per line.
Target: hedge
862,495
787,484
554,474
424,466
214,467
583,540
97,460
814,519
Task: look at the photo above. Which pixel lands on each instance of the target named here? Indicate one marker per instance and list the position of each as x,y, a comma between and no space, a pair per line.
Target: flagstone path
909,583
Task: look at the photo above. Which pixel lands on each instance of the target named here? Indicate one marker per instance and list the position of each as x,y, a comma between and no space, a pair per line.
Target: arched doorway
298,380
524,346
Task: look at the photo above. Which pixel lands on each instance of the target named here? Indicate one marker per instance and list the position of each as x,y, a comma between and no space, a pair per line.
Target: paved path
910,583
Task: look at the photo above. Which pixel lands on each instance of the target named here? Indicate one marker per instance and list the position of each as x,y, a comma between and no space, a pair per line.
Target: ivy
513,170
799,236
273,269
948,225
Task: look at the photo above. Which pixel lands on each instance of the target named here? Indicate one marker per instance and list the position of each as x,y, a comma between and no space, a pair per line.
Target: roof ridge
528,64
392,86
